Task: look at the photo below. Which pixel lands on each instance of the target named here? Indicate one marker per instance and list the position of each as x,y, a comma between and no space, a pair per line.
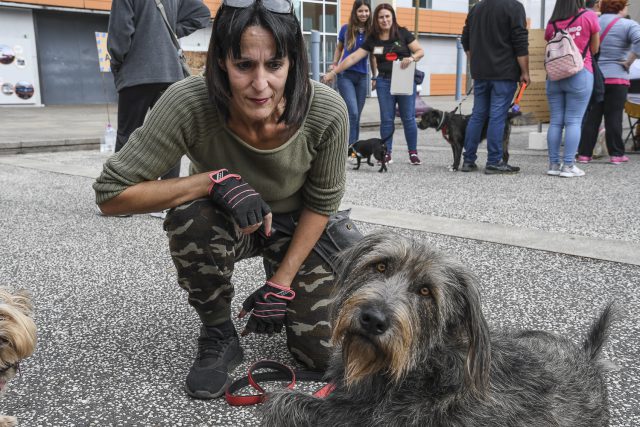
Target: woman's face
385,19
363,13
257,78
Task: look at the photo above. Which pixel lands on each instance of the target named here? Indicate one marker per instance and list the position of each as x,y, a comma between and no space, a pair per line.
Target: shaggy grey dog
413,348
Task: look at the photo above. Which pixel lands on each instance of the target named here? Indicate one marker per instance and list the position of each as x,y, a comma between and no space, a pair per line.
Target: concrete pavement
116,335
80,127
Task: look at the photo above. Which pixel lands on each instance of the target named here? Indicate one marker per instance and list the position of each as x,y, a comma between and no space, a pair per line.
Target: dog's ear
479,351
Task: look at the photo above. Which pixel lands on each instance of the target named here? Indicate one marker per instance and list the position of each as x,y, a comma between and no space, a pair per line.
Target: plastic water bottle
108,142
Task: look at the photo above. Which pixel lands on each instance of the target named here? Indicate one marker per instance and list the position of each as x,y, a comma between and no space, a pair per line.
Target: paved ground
116,335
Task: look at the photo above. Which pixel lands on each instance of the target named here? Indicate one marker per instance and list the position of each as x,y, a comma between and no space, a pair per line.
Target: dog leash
276,372
463,99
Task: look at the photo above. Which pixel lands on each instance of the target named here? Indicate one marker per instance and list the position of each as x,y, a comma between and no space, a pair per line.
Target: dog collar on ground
276,372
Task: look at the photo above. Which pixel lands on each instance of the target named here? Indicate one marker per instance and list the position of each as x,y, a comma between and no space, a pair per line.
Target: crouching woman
267,149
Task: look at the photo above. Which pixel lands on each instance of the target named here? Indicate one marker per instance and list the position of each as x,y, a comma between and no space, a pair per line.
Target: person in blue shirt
352,83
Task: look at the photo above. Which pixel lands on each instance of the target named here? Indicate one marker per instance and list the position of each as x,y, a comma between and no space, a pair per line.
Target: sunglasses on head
276,6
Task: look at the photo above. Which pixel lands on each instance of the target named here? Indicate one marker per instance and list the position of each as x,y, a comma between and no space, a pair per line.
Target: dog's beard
362,358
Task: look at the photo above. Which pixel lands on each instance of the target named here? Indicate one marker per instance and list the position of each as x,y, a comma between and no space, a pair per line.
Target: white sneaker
570,171
161,214
554,169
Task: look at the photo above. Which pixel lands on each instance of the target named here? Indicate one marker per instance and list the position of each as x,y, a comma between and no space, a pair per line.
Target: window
323,17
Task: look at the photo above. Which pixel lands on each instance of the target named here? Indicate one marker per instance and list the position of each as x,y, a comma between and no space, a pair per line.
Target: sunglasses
275,6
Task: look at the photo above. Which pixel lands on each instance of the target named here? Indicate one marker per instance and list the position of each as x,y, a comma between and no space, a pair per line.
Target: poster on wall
19,82
15,79
103,54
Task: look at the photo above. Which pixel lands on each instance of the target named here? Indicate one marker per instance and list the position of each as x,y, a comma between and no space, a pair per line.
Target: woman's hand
406,61
268,308
373,85
329,77
240,200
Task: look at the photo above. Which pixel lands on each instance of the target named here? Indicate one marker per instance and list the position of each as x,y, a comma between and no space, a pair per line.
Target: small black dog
365,148
454,128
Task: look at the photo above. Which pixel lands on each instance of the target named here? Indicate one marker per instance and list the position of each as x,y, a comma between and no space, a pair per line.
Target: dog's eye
425,292
381,267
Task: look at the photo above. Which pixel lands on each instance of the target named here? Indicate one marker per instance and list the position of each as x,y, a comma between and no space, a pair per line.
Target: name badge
378,50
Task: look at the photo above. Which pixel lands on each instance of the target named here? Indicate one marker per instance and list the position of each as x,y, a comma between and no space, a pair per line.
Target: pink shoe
584,159
618,160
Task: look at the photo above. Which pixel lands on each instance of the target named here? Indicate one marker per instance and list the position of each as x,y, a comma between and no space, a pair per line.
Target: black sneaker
468,167
218,354
501,168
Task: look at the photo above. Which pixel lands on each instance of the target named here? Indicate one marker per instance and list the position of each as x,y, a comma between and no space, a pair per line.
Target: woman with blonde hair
352,82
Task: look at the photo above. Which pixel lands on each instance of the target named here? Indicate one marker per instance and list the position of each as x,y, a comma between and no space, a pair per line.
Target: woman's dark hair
354,23
228,27
565,9
394,32
612,6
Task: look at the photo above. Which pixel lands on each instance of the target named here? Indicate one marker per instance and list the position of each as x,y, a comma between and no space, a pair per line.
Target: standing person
144,60
267,146
352,82
593,5
389,42
496,41
619,47
568,98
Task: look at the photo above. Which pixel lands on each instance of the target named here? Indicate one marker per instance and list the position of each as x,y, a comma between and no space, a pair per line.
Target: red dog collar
277,372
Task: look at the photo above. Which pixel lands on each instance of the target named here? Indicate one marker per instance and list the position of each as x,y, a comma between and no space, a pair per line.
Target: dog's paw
8,421
452,169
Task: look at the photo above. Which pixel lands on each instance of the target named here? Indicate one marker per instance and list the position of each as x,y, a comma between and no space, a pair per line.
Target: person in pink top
568,98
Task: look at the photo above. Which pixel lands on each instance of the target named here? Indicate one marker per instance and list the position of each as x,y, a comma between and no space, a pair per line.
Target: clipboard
402,80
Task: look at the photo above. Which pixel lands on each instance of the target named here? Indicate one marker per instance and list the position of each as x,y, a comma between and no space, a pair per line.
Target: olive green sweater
307,171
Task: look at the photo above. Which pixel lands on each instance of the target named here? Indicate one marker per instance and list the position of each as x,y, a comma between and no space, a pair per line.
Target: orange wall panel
445,84
345,12
78,4
431,21
98,4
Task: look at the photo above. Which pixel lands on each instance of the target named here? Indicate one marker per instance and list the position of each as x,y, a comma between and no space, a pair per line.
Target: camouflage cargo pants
205,245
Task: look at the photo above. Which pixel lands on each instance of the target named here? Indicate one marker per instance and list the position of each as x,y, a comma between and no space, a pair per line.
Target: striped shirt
306,171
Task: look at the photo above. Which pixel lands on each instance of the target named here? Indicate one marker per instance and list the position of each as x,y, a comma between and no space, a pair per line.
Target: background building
49,54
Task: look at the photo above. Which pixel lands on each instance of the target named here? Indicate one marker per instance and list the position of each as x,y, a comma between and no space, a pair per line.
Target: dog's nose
374,321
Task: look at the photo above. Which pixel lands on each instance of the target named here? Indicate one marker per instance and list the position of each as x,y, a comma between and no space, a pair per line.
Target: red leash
276,372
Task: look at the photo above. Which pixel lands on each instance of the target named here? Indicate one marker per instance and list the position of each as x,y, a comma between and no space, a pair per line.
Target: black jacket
496,34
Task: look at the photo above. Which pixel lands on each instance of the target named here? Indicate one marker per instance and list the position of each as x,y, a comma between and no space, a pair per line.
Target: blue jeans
407,107
491,98
353,88
568,99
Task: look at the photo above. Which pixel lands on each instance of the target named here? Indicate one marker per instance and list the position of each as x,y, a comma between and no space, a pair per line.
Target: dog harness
276,372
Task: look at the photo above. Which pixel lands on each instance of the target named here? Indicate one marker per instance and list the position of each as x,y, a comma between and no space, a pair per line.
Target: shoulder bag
597,96
183,61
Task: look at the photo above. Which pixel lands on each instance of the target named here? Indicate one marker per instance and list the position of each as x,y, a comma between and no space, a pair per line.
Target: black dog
454,128
365,148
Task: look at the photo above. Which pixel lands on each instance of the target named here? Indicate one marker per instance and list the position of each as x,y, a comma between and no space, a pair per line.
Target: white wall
439,58
198,41
446,5
17,33
451,5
